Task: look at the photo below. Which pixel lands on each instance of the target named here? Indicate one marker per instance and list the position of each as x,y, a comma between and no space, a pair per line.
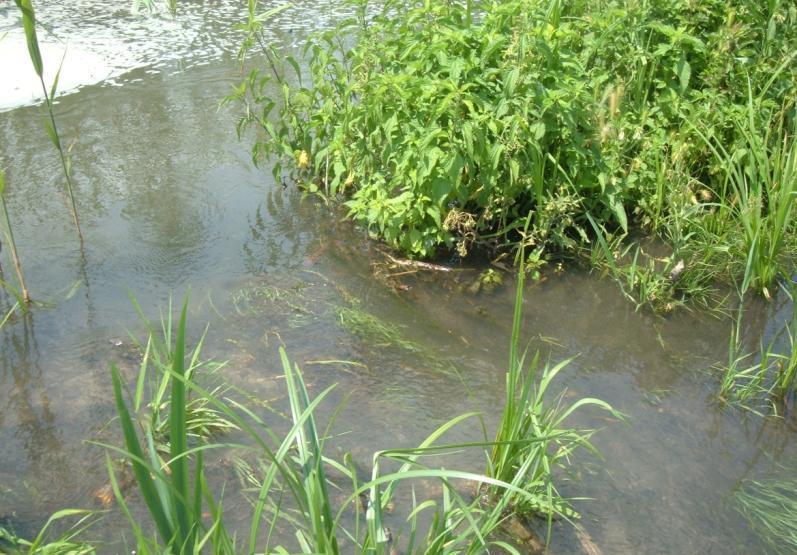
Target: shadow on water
31,440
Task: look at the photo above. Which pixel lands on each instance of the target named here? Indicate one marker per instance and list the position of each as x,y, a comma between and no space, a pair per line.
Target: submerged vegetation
442,126
771,508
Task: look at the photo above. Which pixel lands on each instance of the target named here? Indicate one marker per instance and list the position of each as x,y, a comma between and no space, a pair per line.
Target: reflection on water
170,200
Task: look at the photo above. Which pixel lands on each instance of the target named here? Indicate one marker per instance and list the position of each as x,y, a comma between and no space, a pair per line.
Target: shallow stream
170,200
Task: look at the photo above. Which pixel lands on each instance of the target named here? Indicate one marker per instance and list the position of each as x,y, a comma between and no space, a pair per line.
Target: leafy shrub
444,125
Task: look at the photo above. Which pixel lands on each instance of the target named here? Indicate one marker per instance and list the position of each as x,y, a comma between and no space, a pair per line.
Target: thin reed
29,24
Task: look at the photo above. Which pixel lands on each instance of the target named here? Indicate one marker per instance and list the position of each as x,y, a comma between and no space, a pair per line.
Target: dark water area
170,201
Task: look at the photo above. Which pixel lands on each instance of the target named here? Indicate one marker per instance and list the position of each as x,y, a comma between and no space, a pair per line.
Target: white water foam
79,65
100,44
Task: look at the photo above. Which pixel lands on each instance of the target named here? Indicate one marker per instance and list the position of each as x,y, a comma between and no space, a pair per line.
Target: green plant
531,441
743,383
661,284
759,191
289,479
377,121
770,506
766,382
441,130
457,524
202,421
29,24
174,502
68,543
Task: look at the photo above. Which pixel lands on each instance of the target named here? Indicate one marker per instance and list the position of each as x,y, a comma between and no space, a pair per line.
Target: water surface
170,200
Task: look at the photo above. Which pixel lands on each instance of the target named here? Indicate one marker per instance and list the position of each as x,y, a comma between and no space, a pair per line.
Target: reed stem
67,174
12,244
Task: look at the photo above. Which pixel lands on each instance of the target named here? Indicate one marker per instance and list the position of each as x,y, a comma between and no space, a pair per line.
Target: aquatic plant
202,421
764,381
173,500
365,324
758,192
770,506
531,440
289,479
294,464
29,24
742,380
68,543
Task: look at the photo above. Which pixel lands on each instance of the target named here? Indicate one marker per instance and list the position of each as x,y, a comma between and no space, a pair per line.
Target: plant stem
12,243
64,165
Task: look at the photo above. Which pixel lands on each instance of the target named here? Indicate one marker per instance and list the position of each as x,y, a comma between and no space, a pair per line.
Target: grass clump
68,543
770,506
202,421
292,483
443,125
766,381
531,440
291,477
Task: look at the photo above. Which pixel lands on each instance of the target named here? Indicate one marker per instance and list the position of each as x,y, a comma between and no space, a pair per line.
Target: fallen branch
418,264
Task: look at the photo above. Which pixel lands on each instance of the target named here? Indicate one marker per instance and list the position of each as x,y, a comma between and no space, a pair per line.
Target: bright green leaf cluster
443,125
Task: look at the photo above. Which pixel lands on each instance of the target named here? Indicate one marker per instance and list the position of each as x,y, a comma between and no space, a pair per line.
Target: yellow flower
302,159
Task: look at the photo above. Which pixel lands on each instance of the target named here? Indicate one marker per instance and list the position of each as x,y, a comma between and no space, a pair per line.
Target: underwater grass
770,506
378,330
67,543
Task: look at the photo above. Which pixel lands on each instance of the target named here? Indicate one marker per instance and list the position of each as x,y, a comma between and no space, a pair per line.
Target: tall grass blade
137,459
178,438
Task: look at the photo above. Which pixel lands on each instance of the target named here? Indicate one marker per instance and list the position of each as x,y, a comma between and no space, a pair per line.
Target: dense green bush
443,125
